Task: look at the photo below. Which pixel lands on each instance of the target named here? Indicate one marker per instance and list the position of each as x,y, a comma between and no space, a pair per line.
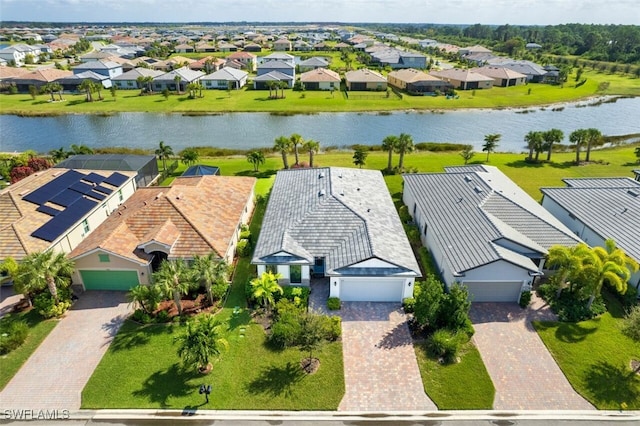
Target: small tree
201,342
360,156
312,336
264,288
491,143
164,152
467,154
631,323
40,270
256,158
189,156
33,91
166,93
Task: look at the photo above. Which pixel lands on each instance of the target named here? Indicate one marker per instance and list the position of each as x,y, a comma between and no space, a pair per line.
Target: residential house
464,79
72,83
107,68
534,72
320,79
225,78
263,81
282,67
282,45
248,60
185,48
502,77
340,224
227,47
8,73
313,63
302,46
194,216
397,59
417,82
252,47
96,55
129,79
208,64
37,78
17,53
284,57
177,79
145,166
482,230
365,79
597,209
464,51
56,209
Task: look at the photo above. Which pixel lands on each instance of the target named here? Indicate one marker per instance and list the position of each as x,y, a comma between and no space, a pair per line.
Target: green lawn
462,386
38,330
249,100
595,356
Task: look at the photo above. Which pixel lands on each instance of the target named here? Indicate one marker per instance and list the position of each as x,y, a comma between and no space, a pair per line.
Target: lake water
254,130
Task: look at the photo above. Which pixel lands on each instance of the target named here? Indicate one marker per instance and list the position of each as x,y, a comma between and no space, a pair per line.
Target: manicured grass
38,330
462,386
595,356
249,100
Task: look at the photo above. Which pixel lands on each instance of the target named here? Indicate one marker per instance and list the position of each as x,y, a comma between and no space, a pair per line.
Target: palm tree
42,270
296,141
149,82
189,156
177,80
48,88
80,149
491,143
403,145
88,87
148,297
174,279
256,158
264,288
57,87
270,86
57,155
163,152
389,144
210,270
568,262
141,83
283,144
360,156
534,142
467,153
578,138
594,138
550,137
312,147
201,342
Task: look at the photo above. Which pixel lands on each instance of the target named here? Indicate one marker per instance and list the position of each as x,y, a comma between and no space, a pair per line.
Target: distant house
185,48
397,59
108,68
417,82
282,45
302,46
365,79
17,53
284,57
170,80
208,64
463,51
339,224
36,78
248,60
263,81
129,79
222,78
252,47
482,230
597,209
195,216
321,79
502,77
312,64
227,47
534,72
532,46
71,83
283,67
464,79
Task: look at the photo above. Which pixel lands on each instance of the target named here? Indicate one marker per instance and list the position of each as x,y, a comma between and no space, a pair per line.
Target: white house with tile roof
597,209
482,230
339,223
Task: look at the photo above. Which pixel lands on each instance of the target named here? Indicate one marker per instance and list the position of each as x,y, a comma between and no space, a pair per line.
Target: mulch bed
310,365
191,305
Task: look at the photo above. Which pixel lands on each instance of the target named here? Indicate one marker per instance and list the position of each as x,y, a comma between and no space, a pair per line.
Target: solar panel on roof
116,179
81,187
48,210
54,187
96,195
93,178
60,223
66,198
103,189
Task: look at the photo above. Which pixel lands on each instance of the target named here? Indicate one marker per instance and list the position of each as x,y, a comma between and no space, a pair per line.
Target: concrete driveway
524,373
55,374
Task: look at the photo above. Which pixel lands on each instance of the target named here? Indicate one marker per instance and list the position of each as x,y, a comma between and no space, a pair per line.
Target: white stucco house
340,224
482,230
597,209
223,77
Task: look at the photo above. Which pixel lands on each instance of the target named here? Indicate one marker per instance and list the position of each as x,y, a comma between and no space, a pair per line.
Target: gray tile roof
343,214
612,212
620,182
476,213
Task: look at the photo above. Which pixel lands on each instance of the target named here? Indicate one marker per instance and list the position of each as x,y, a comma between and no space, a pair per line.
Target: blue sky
524,12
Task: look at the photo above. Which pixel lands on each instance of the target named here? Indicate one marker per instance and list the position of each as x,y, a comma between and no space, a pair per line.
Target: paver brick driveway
524,373
55,374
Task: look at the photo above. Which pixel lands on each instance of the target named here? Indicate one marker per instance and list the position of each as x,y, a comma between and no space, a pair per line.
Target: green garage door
109,280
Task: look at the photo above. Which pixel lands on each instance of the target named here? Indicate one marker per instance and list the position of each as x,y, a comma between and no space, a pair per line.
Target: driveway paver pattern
55,374
524,373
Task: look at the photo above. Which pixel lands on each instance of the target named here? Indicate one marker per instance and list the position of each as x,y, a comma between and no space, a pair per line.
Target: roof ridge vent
632,193
467,178
478,189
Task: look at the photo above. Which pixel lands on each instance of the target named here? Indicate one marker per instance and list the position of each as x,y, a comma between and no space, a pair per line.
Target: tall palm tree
209,270
404,145
88,87
148,80
389,144
256,158
296,141
264,288
593,138
201,341
491,143
40,270
141,83
550,137
283,144
174,279
177,80
534,142
48,88
567,261
163,152
578,138
312,147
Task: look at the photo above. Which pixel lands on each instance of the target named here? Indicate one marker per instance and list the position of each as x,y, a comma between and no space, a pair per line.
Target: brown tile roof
241,55
46,75
320,74
364,75
196,215
411,75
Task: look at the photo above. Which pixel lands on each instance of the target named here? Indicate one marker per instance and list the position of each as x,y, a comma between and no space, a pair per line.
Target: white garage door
371,290
494,291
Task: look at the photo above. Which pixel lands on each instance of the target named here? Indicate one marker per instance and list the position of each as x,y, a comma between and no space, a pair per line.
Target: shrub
286,307
12,335
162,316
333,303
219,289
444,344
427,302
243,249
413,234
546,291
48,308
141,317
297,294
409,304
285,332
245,233
631,324
403,211
333,327
525,299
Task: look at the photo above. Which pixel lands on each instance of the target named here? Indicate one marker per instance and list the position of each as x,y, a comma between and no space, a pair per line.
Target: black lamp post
206,390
